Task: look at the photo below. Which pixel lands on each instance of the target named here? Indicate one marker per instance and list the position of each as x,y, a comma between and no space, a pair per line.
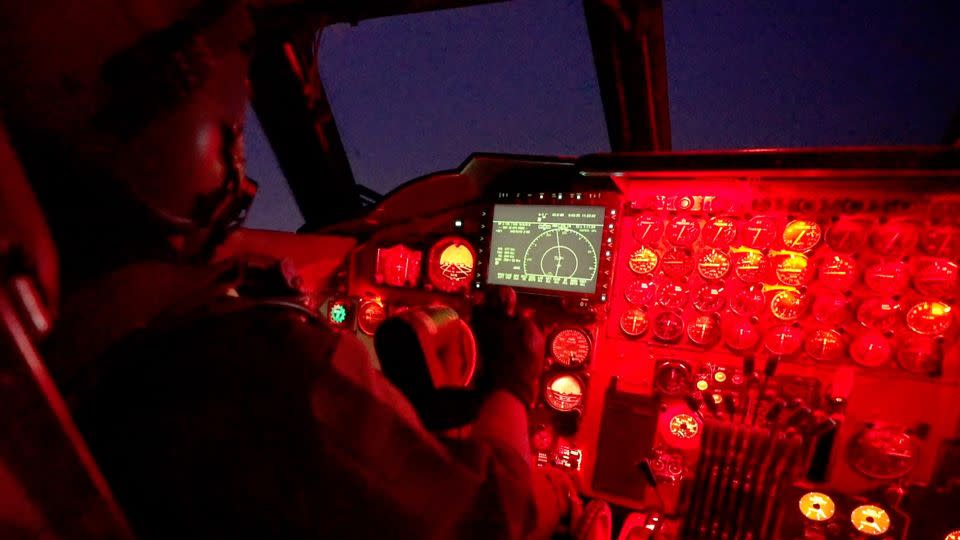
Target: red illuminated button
879,313
683,231
942,241
739,334
871,350
668,326
824,345
935,276
713,264
929,318
709,298
749,264
678,262
720,232
888,278
648,229
570,347
672,295
783,340
634,322
643,261
786,305
894,238
920,355
704,330
760,232
847,235
793,269
838,272
641,292
801,235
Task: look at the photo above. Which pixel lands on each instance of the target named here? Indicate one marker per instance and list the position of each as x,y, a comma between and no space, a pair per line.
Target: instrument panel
748,344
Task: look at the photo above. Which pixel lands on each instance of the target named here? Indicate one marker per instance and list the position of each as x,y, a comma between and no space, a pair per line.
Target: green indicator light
338,314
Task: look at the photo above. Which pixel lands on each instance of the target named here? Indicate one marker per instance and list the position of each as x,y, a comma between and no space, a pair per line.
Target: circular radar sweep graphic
561,253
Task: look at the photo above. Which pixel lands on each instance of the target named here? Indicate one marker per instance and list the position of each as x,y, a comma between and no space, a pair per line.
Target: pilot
212,412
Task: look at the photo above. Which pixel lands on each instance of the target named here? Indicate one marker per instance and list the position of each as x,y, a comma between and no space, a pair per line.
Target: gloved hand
510,346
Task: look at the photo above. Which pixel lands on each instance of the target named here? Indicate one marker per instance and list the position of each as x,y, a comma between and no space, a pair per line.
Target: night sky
416,94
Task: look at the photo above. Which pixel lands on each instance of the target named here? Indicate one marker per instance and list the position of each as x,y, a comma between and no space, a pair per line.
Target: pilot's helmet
145,98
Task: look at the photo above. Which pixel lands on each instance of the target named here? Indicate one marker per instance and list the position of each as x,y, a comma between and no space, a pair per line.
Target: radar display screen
546,247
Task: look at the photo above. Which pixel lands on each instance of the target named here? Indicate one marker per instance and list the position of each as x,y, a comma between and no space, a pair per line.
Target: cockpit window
274,207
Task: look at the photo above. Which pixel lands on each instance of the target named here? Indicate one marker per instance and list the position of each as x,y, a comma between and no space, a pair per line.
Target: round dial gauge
824,345
847,235
713,264
794,270
704,330
678,262
672,295
748,302
930,318
955,535
920,355
760,232
720,232
801,235
935,276
641,292
893,238
667,326
739,334
709,298
941,241
563,392
371,314
570,347
871,350
648,229
643,261
451,264
879,313
831,308
887,278
817,506
883,452
870,520
634,322
684,426
683,231
749,265
786,305
838,272
562,253
783,340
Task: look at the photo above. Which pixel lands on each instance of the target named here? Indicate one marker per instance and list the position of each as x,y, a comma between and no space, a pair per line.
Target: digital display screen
546,247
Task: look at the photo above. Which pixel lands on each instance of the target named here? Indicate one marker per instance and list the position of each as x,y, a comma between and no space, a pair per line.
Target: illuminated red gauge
749,264
678,262
713,264
710,298
794,269
929,318
941,241
641,292
720,232
838,272
824,345
831,308
783,340
371,314
847,235
786,305
894,238
801,235
683,231
563,392
543,438
634,322
452,261
887,278
748,302
760,232
920,355
570,347
870,520
871,350
935,276
398,266
879,313
883,452
667,326
672,295
684,426
648,229
739,334
704,330
643,261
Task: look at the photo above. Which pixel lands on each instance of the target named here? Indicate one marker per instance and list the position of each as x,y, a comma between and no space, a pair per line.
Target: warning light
338,313
870,520
702,385
684,426
817,506
717,398
720,376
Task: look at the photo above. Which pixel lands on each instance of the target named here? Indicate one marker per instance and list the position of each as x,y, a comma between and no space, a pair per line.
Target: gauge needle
559,253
